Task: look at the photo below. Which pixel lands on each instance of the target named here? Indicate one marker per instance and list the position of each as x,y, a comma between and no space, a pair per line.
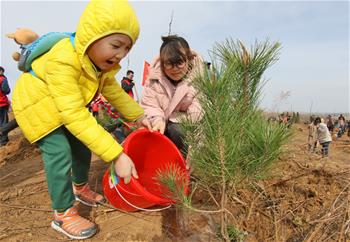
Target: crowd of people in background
286,118
321,132
339,125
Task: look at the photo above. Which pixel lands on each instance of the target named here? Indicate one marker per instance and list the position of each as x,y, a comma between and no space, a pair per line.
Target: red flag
146,66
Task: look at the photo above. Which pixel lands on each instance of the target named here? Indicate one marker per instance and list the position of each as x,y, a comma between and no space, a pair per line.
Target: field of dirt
306,198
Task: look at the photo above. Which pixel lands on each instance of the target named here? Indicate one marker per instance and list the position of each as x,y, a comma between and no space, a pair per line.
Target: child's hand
145,123
124,167
159,125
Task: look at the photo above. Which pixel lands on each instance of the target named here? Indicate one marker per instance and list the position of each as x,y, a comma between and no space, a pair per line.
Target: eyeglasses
179,65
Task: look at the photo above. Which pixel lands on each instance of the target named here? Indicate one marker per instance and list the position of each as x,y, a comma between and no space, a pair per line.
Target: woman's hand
124,167
159,125
144,121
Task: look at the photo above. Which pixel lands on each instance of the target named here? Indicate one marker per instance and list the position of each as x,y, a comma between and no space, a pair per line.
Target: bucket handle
136,207
114,180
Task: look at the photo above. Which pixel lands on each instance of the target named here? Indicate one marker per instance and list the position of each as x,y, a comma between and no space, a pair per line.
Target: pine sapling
233,142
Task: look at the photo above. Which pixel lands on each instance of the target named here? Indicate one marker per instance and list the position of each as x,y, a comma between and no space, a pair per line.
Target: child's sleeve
121,101
62,75
151,104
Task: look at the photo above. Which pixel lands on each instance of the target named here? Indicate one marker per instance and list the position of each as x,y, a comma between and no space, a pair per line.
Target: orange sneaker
86,196
73,225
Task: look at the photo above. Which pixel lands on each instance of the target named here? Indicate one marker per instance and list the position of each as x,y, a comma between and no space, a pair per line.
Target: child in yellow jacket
51,108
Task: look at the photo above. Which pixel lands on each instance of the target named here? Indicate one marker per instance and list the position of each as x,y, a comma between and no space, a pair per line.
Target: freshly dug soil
305,198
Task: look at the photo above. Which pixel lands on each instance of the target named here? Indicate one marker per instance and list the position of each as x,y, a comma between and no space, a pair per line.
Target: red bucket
151,153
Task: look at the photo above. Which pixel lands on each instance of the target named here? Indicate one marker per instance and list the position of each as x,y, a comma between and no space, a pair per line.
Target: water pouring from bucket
161,169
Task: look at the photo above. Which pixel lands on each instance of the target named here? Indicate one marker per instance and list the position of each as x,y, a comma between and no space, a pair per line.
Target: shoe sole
59,229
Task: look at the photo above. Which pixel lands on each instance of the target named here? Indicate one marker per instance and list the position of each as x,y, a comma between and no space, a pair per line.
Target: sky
311,75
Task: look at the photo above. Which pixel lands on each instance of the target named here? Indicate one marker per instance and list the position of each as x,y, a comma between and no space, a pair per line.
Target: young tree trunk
223,202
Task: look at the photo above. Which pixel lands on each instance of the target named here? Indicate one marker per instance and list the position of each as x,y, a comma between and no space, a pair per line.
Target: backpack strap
51,41
72,38
33,73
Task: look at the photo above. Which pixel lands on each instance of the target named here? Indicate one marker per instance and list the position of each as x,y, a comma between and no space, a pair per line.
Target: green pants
66,160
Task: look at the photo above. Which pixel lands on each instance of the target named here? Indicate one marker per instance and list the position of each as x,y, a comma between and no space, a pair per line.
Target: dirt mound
305,198
16,150
309,203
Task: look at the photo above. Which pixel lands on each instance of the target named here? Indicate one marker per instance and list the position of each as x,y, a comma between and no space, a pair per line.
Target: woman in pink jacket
168,95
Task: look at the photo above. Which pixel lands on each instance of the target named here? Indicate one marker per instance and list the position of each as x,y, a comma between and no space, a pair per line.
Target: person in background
341,124
94,108
128,83
323,136
330,123
7,128
312,138
4,105
56,114
168,94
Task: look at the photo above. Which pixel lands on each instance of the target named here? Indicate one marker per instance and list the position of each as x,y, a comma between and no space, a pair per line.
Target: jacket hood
104,17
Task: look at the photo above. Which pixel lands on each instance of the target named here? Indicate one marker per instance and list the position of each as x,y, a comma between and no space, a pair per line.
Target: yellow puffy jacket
68,81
